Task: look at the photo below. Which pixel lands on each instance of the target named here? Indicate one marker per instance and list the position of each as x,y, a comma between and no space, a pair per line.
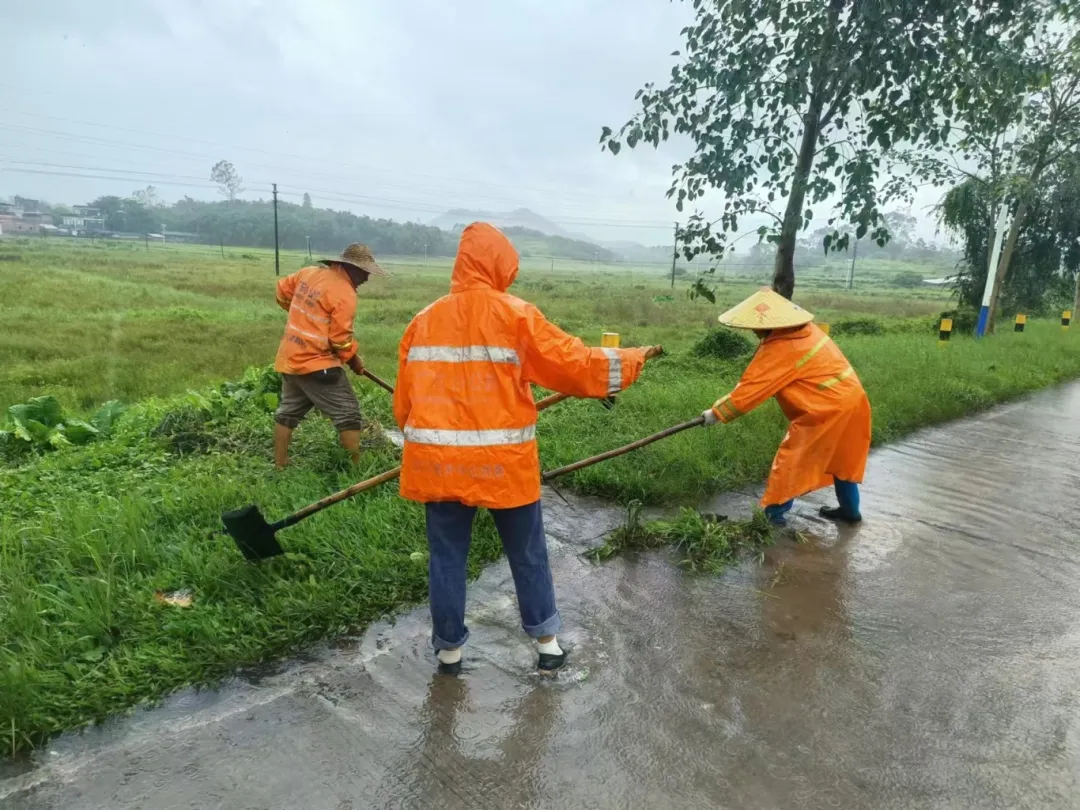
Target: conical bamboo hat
765,309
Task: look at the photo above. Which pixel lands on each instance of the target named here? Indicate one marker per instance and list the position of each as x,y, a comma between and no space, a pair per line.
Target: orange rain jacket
462,396
321,302
821,395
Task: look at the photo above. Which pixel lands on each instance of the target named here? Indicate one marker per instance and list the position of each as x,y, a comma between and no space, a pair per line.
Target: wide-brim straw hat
765,309
358,256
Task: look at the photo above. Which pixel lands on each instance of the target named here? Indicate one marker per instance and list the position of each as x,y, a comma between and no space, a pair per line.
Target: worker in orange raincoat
818,391
465,407
318,342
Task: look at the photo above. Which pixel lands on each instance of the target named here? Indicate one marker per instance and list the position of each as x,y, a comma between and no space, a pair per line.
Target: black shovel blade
253,535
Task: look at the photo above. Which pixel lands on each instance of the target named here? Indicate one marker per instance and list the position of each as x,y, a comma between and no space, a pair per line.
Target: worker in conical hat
820,394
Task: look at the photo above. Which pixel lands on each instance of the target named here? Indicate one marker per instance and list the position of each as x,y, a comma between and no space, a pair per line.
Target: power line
457,181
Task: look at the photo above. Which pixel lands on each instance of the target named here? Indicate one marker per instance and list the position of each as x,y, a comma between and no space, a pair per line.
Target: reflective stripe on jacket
819,392
462,396
321,302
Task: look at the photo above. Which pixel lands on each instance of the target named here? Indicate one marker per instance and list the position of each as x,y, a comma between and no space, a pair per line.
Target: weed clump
723,344
708,545
858,326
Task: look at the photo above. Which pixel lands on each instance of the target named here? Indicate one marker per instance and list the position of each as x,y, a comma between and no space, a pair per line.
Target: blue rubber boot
847,495
777,512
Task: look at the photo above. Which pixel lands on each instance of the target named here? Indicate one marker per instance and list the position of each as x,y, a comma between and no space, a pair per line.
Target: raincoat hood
485,258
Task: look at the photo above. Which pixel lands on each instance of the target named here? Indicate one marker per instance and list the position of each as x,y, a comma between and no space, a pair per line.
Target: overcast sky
393,109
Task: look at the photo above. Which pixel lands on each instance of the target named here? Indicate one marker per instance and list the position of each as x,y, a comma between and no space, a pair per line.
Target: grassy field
89,534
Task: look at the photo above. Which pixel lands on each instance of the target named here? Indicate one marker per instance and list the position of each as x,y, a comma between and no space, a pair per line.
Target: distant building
84,220
10,223
22,216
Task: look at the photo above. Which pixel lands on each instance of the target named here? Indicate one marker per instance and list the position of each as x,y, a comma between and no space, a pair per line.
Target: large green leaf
34,431
79,432
106,416
56,438
45,410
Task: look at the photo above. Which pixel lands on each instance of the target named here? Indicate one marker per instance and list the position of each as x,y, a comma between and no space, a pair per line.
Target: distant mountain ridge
522,218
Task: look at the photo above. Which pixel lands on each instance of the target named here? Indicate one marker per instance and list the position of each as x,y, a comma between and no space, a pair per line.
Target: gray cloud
390,109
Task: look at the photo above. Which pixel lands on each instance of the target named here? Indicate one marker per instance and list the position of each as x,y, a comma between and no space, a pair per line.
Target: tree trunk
1006,257
784,269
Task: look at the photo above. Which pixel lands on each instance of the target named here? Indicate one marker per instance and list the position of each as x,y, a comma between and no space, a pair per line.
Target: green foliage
707,544
723,344
908,279
1046,242
858,326
963,321
844,82
40,424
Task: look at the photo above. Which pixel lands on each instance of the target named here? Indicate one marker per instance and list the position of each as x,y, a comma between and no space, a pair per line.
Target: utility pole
674,255
851,273
222,243
163,233
308,247
277,251
425,253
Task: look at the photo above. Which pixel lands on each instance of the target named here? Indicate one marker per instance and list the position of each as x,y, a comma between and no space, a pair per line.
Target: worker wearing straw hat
820,394
317,344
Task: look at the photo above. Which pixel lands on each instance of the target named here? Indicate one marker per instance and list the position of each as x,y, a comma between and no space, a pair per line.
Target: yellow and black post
1021,321
945,331
1066,316
824,327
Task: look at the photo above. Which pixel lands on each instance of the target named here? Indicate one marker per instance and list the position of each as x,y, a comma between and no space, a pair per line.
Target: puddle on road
925,659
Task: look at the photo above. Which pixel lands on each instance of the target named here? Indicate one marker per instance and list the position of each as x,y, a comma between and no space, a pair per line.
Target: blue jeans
449,533
847,496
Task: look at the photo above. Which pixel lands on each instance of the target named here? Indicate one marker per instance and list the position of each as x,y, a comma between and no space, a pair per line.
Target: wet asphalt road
929,658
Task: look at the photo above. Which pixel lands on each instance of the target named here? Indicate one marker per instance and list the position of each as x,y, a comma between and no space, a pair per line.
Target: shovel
619,451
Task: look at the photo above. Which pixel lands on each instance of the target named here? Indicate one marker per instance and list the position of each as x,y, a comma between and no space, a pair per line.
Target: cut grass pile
706,544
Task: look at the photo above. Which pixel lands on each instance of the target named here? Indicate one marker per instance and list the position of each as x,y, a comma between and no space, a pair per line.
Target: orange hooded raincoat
462,396
821,395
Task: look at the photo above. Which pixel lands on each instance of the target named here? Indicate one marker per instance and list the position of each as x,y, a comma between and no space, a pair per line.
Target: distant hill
525,220
458,218
534,243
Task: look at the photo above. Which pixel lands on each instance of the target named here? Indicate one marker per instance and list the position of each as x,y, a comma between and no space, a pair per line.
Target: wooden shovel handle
379,381
330,500
619,451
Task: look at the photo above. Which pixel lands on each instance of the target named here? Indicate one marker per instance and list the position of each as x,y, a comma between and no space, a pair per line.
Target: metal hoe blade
253,535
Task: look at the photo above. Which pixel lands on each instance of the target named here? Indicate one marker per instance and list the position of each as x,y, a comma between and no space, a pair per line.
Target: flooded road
929,658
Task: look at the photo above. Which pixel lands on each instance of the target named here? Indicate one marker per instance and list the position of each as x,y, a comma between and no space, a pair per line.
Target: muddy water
927,659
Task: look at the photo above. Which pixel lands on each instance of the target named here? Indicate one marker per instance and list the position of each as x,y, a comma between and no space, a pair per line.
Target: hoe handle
330,500
379,381
619,451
